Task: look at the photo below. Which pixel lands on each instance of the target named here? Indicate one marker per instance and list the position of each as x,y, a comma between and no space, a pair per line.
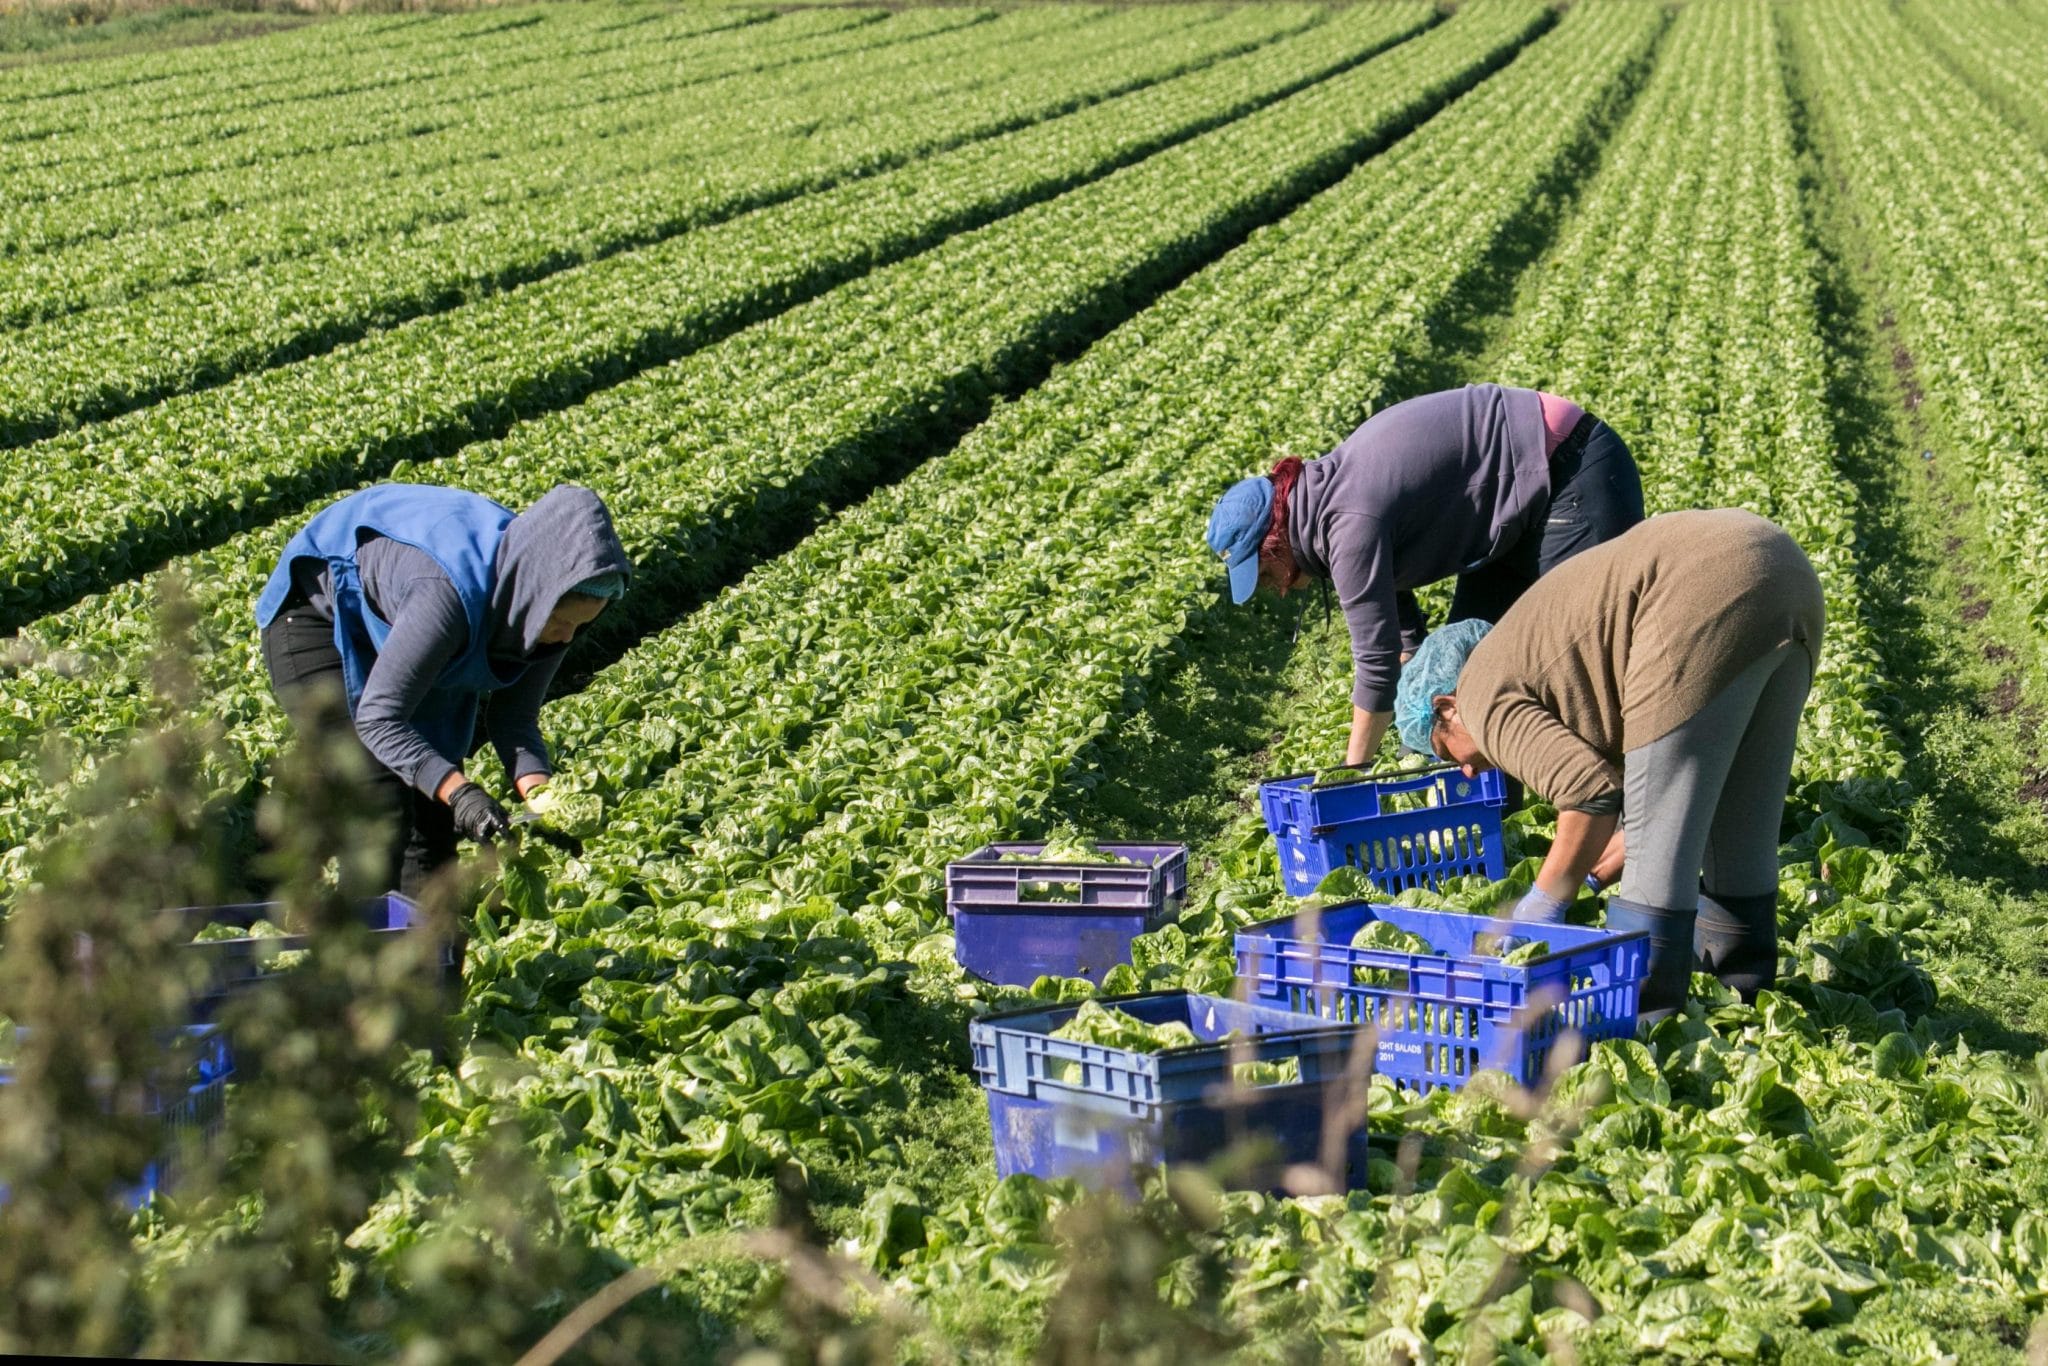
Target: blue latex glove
1538,905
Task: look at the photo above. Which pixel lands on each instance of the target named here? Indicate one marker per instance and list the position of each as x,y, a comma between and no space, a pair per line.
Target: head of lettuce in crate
1491,485
415,603
1661,674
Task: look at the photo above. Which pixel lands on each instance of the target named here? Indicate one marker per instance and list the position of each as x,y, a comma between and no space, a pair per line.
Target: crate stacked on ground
1264,1089
1438,1018
1402,829
188,1104
1018,915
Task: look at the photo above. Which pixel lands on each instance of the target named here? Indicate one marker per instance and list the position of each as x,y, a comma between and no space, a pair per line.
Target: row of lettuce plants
102,143
626,193
169,77
1997,48
1828,1168
462,130
254,448
707,456
1950,197
387,192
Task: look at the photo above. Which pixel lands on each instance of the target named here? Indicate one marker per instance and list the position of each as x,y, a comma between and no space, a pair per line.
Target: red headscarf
1277,546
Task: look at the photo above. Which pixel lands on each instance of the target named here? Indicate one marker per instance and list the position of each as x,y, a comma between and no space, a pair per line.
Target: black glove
478,815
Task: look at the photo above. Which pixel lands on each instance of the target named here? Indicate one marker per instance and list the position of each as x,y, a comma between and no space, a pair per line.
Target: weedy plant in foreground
267,1244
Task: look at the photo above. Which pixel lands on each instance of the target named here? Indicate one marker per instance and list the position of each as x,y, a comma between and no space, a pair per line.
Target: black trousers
1596,493
305,670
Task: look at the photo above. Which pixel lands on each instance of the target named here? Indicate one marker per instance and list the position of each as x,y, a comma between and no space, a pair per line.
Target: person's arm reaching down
1414,625
1582,837
515,725
428,630
1526,739
1362,571
1608,868
1366,729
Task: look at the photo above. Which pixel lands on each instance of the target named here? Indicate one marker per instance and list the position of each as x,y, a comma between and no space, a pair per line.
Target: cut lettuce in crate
1381,934
1389,802
1347,884
1276,1072
216,931
1109,1027
1513,950
1112,1028
1340,885
1063,846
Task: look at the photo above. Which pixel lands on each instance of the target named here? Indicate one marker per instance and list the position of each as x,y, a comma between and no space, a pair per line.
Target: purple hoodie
1436,486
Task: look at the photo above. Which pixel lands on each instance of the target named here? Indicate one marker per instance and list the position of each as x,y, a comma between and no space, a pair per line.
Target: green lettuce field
910,348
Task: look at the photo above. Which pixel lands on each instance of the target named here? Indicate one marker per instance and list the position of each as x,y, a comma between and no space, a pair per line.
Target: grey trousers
1702,805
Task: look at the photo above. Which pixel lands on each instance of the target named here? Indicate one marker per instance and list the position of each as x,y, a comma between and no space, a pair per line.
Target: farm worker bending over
417,601
1497,486
1661,675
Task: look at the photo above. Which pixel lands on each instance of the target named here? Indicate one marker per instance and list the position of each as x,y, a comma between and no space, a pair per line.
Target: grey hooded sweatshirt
1436,486
563,539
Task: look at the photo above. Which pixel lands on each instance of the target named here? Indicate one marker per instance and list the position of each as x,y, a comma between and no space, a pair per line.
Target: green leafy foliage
1967,355
472,371
689,507
1347,883
742,990
215,931
1382,934
671,152
1113,1028
580,814
1743,1180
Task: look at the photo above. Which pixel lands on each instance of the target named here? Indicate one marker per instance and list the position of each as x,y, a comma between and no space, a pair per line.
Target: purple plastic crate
1461,1012
1061,1108
234,965
1319,830
190,1116
1017,922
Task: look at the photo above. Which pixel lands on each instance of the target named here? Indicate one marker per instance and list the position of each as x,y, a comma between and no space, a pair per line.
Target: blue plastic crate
234,965
1060,1108
1321,830
1459,1013
1017,922
189,1116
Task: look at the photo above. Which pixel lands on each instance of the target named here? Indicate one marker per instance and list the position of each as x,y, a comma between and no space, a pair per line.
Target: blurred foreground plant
317,1230
90,976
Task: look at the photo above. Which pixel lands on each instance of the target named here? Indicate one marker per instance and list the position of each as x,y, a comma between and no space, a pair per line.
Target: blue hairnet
1432,672
608,586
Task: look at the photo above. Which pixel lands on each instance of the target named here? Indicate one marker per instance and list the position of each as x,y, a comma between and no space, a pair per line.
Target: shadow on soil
940,1131
1191,730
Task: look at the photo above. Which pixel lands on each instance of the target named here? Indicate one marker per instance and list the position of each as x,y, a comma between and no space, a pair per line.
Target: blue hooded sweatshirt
438,597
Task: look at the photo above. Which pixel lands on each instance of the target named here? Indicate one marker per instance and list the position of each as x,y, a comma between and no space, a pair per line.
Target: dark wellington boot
1671,953
1737,940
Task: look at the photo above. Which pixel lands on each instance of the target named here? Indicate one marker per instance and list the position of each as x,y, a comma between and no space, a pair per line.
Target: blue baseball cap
1237,528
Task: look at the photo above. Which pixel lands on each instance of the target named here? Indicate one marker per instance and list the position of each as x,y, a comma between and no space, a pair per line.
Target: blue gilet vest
460,532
